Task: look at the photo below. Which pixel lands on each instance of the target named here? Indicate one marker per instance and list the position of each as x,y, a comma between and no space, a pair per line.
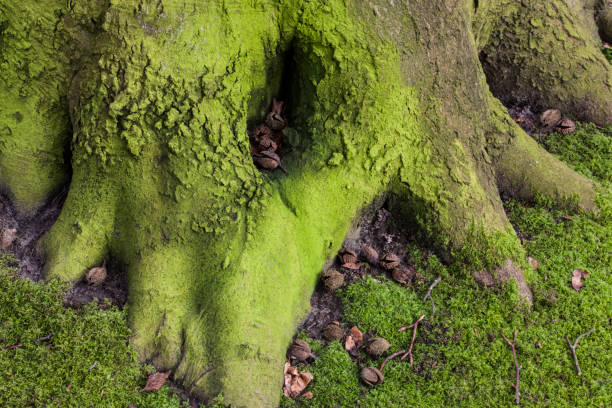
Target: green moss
588,150
608,53
60,371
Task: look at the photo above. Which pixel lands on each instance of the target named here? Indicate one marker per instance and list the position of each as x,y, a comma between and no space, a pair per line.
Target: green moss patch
86,362
588,150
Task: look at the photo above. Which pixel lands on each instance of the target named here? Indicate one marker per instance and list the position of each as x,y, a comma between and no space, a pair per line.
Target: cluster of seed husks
402,274
267,138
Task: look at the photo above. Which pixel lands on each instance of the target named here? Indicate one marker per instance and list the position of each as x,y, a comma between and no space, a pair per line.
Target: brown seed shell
347,255
300,350
333,332
402,274
372,376
370,255
566,126
334,280
551,117
389,261
97,275
8,237
378,346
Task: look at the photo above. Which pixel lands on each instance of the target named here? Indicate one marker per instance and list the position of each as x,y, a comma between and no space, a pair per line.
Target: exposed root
414,327
428,294
391,357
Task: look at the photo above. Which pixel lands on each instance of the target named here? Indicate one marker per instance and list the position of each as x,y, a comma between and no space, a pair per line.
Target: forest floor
460,356
53,355
56,356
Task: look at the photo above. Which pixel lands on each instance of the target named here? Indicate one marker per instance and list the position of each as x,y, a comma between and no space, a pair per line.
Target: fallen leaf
308,395
156,381
357,336
295,382
349,343
533,262
577,277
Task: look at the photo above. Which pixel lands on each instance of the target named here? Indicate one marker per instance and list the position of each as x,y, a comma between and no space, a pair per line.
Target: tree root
414,327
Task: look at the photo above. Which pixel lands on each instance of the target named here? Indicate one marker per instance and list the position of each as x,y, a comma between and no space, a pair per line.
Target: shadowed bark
222,258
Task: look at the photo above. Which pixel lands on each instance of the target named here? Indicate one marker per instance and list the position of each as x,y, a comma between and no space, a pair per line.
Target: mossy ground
459,356
60,372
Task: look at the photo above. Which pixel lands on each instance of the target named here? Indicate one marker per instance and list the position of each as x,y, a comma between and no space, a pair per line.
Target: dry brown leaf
156,381
357,336
308,395
295,382
533,262
577,277
349,343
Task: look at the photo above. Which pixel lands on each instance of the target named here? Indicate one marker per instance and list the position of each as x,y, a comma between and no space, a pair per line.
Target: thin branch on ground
573,348
428,294
517,394
414,327
391,357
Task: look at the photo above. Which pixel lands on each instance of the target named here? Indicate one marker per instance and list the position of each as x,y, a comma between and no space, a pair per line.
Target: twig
414,330
47,337
391,357
517,394
428,294
573,348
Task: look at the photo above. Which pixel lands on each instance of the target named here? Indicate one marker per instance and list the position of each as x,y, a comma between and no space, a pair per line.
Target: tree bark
222,258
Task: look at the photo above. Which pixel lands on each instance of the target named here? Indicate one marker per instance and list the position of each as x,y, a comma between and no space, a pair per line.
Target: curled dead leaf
370,255
156,381
577,276
357,335
308,395
294,381
349,343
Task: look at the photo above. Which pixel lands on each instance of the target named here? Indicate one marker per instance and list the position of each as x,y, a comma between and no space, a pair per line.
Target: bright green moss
588,150
56,372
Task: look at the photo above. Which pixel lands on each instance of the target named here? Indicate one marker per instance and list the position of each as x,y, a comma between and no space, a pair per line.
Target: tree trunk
382,96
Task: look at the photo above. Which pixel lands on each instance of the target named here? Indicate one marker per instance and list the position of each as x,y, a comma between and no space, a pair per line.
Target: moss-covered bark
222,258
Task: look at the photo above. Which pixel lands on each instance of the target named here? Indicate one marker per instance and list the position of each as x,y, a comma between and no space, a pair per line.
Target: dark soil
113,291
376,228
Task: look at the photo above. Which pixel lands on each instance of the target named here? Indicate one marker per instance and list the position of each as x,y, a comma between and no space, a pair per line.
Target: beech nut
8,237
402,274
96,276
347,256
566,126
370,255
378,346
333,332
389,261
372,376
550,118
300,351
333,280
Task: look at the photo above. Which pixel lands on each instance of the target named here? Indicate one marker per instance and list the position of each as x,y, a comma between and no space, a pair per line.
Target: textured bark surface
221,258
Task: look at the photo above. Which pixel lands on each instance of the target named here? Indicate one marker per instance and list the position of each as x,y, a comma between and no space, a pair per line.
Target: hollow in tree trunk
144,106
